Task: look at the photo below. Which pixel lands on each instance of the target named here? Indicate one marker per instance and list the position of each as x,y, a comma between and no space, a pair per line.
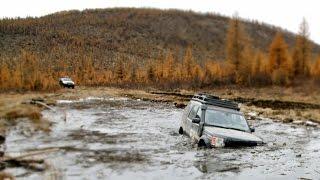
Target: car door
191,126
196,126
184,120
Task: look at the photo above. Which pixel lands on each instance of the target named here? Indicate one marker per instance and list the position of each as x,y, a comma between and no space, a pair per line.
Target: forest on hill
150,47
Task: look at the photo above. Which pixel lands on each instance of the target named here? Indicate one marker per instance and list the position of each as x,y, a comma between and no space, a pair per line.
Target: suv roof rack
215,101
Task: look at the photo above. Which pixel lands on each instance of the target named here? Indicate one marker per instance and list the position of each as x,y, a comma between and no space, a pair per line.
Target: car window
193,111
66,79
199,112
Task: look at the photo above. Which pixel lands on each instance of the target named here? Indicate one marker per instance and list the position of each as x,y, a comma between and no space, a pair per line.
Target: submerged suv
214,122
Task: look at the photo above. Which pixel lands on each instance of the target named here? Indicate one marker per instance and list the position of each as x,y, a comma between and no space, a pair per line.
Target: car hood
231,134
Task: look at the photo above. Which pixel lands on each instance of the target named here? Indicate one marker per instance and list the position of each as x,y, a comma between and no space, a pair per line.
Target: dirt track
119,138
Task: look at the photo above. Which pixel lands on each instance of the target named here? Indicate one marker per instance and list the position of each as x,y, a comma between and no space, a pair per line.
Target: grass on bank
12,110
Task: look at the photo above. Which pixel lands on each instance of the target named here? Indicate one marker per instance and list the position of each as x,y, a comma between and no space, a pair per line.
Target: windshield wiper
227,127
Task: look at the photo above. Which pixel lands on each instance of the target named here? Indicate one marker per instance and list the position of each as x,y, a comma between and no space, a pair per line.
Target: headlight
217,141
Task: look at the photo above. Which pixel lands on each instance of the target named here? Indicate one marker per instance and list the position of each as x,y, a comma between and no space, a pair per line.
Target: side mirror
252,129
196,120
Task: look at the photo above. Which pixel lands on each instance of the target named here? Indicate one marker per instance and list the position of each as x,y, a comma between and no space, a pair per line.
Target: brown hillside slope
139,34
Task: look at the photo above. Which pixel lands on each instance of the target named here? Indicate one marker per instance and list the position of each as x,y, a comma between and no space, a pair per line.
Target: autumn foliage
244,65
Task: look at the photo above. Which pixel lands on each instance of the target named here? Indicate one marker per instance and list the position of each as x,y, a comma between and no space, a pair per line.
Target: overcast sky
285,13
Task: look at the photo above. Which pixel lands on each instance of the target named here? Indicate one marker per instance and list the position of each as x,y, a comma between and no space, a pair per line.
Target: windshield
66,79
226,120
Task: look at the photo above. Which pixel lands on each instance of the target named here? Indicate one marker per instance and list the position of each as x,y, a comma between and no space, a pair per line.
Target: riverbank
296,105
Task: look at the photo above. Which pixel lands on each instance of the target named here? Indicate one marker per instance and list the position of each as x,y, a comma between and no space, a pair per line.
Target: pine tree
259,69
133,72
196,75
179,73
207,78
302,51
278,53
4,77
213,72
187,65
256,64
244,74
16,78
278,60
31,75
62,68
236,42
159,69
169,67
316,70
88,71
119,70
151,73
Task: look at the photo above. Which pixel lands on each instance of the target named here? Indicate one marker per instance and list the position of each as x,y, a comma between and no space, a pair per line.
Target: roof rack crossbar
216,101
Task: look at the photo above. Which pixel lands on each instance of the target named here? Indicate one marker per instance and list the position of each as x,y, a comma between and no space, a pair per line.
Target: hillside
139,34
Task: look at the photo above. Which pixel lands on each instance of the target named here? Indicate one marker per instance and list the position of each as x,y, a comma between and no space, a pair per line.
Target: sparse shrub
32,114
12,115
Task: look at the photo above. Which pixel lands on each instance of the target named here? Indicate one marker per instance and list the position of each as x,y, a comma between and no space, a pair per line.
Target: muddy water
121,139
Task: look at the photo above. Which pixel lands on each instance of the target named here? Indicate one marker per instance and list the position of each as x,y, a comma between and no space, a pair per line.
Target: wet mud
121,138
276,104
263,103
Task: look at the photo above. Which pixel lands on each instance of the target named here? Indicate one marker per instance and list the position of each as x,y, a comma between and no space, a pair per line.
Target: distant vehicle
66,82
214,122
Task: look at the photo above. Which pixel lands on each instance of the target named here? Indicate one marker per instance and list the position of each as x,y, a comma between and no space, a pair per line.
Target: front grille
237,143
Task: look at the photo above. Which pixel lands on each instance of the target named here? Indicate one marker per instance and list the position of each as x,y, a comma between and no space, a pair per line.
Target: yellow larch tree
169,67
316,70
187,65
236,42
279,60
4,77
302,51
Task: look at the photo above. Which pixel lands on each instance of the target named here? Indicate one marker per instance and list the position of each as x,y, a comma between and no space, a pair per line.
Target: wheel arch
203,142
